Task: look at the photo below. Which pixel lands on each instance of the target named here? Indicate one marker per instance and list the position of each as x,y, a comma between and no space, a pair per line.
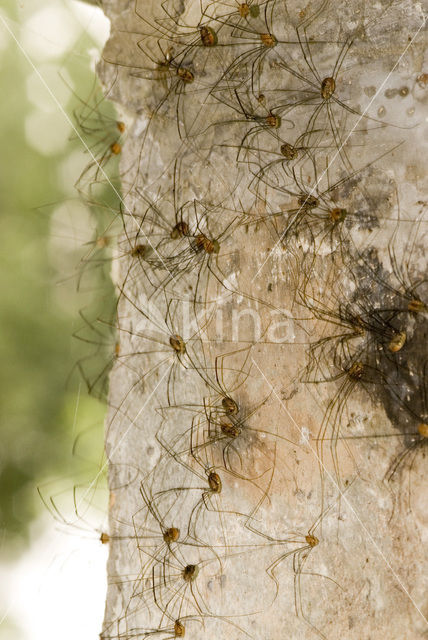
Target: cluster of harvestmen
288,137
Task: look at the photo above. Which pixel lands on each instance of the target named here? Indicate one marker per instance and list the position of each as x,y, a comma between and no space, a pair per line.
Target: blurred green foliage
43,398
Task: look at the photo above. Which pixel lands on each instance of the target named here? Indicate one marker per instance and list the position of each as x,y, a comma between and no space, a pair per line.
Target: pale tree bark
319,527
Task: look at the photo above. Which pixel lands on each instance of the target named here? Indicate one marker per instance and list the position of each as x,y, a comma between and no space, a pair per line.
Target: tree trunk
267,416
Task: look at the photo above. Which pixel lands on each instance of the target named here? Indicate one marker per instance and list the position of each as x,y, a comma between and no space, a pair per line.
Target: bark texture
293,386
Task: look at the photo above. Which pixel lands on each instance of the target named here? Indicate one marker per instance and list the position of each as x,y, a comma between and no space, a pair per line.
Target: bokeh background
53,344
